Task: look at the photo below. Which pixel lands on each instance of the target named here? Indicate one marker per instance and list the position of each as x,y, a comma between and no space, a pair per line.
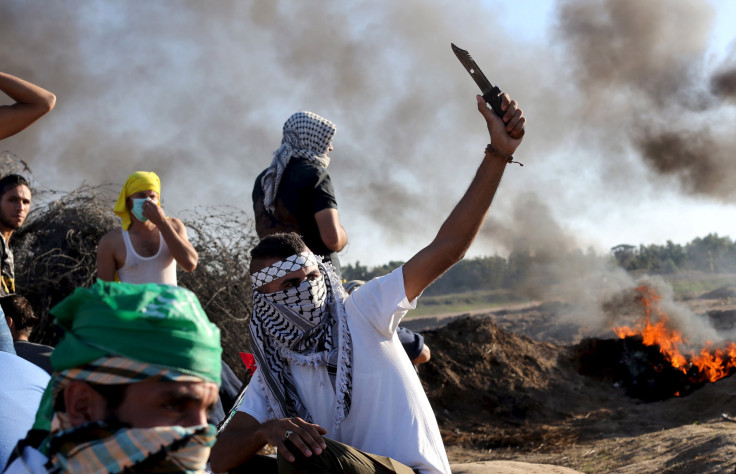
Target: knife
491,94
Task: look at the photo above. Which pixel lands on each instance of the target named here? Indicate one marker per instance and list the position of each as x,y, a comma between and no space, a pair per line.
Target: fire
710,364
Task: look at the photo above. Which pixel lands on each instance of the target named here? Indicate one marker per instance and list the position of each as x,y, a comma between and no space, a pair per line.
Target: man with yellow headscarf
148,246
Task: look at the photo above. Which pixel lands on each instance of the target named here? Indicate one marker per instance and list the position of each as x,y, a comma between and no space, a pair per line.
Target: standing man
147,249
136,372
331,364
31,102
295,193
149,245
15,202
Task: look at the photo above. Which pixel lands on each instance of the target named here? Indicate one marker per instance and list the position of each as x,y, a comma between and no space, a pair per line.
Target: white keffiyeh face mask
308,299
303,325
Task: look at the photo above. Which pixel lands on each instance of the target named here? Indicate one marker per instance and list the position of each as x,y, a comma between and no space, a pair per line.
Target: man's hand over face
154,213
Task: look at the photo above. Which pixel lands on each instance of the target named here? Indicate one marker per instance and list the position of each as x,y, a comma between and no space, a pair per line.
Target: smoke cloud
198,92
622,99
620,96
648,63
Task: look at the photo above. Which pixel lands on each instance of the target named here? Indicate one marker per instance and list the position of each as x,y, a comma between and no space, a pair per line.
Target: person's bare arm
31,102
330,230
464,222
106,258
175,235
244,436
423,357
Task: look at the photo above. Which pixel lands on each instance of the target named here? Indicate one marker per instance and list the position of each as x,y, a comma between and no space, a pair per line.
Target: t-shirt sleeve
381,302
324,193
254,401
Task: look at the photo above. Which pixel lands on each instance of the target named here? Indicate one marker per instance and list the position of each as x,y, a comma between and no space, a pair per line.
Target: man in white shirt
332,364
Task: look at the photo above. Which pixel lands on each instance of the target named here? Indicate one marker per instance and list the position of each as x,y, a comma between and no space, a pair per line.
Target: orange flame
711,364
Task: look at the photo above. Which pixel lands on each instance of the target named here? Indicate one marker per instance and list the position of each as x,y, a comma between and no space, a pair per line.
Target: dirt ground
506,391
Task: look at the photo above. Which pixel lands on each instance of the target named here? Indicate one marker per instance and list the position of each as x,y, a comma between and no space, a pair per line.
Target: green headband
162,325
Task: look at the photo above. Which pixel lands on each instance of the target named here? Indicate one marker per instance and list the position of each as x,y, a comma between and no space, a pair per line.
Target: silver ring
287,434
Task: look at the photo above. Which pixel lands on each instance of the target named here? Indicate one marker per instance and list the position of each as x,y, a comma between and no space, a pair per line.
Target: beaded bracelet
509,158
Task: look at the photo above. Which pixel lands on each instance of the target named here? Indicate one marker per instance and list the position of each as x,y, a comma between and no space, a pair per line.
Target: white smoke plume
622,98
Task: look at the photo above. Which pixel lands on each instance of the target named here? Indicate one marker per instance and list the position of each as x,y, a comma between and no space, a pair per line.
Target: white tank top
160,268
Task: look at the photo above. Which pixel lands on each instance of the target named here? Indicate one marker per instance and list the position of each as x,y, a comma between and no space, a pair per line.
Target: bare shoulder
114,235
176,223
112,239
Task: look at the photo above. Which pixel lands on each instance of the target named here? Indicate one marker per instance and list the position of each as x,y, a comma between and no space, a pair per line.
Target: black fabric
413,342
229,390
36,353
258,464
305,189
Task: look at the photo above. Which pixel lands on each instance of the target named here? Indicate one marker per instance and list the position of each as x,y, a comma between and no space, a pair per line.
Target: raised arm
31,102
175,235
464,222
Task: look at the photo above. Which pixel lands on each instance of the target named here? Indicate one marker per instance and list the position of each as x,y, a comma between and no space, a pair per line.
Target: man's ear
83,403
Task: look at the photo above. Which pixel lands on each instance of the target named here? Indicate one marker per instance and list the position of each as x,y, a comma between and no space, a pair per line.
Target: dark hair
18,308
280,245
12,181
114,394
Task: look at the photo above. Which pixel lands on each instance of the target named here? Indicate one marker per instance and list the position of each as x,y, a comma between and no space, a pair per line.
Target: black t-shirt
36,353
229,391
305,189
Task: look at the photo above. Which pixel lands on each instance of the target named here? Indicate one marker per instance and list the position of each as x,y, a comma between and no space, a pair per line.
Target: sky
630,105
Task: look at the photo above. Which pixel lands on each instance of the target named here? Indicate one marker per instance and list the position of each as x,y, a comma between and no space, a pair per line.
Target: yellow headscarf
137,182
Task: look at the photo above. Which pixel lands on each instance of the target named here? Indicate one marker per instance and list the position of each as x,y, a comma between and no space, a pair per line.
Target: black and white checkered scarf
306,135
305,325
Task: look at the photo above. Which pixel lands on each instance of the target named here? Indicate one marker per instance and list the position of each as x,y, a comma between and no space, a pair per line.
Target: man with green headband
135,374
149,245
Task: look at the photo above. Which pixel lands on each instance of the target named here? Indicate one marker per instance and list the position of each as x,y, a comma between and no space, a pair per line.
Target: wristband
509,158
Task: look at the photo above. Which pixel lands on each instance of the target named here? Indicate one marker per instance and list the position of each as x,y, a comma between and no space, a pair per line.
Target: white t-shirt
390,414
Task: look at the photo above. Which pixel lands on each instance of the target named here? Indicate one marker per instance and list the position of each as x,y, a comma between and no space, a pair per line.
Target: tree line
709,254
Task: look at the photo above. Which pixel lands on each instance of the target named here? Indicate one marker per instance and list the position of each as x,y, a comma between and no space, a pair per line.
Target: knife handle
493,98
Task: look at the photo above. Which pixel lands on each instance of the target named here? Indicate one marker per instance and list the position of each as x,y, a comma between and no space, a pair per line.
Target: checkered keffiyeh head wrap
282,268
306,135
105,446
305,325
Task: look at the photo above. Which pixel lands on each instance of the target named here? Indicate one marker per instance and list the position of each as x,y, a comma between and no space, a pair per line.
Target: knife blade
491,94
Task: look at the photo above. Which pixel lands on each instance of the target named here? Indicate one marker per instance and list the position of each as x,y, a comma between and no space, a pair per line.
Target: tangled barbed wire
56,251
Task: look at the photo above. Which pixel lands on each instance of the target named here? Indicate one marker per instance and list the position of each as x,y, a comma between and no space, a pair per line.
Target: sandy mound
508,467
504,396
